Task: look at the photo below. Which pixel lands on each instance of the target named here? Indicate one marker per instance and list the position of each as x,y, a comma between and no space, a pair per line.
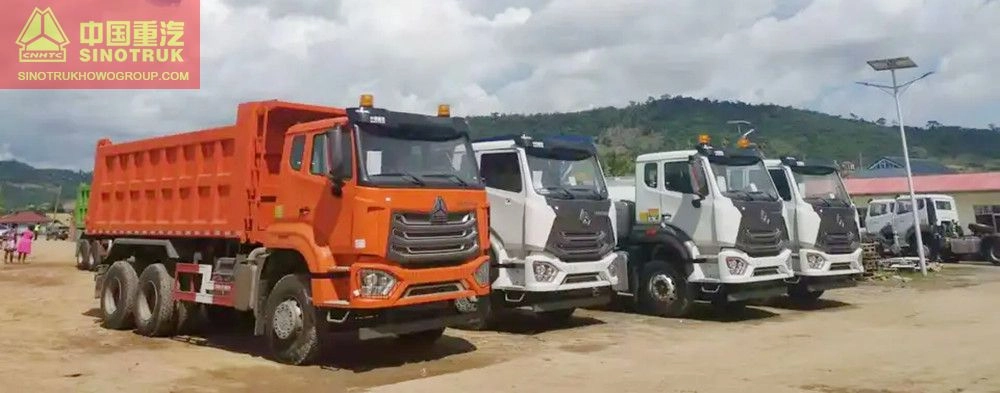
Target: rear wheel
291,324
154,306
118,296
991,252
83,261
663,290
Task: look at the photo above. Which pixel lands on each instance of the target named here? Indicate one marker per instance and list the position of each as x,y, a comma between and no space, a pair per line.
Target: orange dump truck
314,219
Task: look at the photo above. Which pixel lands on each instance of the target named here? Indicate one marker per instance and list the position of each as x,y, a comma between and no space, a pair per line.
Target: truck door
307,193
505,189
783,180
685,202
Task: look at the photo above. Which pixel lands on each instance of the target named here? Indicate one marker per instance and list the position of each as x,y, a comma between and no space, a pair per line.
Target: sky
530,56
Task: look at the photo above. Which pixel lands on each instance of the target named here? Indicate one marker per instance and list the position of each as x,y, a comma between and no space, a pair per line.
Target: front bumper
823,283
740,292
834,265
413,286
372,324
754,269
569,276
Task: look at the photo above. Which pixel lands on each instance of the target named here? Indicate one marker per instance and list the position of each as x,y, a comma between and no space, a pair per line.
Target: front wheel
83,261
992,252
664,291
291,325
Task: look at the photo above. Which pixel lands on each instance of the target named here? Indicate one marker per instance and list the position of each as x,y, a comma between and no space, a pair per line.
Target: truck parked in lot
312,218
552,234
823,226
89,252
890,223
703,224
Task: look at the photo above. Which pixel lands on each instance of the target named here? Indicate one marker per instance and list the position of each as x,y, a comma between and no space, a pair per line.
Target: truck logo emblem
439,212
585,217
840,221
764,217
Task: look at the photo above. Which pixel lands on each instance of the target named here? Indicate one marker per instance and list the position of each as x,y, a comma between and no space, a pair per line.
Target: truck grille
760,243
839,243
416,238
579,246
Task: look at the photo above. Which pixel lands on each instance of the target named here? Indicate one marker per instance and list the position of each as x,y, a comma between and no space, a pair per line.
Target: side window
298,148
781,182
650,174
501,171
942,205
876,209
318,164
677,177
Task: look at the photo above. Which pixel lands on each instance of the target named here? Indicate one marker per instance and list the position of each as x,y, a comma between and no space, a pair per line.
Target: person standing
24,245
8,242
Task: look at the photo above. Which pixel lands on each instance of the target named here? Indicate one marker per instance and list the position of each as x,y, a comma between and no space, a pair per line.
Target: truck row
317,219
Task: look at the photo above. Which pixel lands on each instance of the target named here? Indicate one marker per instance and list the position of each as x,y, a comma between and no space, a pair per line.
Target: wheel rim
995,253
287,319
663,288
147,302
112,289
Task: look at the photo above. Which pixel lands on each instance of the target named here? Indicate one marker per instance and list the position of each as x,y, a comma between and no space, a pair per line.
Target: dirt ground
940,334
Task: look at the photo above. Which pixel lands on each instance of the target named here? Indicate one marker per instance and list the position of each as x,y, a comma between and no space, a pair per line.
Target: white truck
552,225
823,226
890,222
701,225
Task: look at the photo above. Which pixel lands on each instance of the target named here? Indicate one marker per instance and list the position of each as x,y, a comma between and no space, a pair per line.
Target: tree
932,124
994,127
881,121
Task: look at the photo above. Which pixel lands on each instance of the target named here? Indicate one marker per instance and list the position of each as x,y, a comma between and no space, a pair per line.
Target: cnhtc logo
439,212
42,39
585,218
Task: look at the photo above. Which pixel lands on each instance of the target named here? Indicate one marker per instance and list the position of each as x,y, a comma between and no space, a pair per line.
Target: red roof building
24,218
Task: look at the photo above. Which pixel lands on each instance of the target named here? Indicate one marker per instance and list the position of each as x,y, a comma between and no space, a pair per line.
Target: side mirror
338,168
697,187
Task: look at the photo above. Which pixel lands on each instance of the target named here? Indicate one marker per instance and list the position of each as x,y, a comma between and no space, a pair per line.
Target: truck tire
557,316
118,296
83,261
290,321
154,303
424,338
188,316
664,290
991,251
802,295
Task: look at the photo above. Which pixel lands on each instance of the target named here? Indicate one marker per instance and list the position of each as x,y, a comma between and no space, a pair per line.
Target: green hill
671,123
23,186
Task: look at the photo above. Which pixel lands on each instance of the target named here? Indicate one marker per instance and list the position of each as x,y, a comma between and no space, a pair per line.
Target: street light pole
892,65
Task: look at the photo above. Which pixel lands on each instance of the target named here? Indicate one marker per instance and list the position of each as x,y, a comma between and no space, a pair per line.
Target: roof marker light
367,101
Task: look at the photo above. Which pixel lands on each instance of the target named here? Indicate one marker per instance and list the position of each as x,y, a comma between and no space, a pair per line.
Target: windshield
393,161
567,178
822,188
744,179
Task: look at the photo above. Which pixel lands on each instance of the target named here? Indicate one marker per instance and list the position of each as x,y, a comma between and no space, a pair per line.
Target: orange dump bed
206,183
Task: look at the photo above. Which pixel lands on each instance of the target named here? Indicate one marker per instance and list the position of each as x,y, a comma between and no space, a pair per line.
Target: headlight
612,269
815,261
737,266
544,271
376,283
483,274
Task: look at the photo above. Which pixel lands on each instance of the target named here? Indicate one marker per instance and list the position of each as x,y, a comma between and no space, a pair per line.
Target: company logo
42,39
439,212
764,217
840,221
585,218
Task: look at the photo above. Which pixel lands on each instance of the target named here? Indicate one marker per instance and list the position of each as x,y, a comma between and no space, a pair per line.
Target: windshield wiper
770,196
565,192
451,176
742,193
406,175
597,195
826,202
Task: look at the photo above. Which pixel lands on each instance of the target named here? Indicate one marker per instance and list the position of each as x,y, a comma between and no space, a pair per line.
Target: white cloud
486,56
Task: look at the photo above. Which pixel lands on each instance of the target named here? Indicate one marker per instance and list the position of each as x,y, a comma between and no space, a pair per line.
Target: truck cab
891,221
552,225
707,225
823,226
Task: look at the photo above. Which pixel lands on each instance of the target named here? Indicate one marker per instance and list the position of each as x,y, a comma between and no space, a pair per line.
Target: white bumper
569,276
750,270
802,268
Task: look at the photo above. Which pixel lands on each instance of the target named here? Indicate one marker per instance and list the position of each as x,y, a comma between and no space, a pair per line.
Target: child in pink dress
24,246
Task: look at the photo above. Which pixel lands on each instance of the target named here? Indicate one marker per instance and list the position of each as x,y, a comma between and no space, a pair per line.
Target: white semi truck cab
552,225
703,225
823,226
